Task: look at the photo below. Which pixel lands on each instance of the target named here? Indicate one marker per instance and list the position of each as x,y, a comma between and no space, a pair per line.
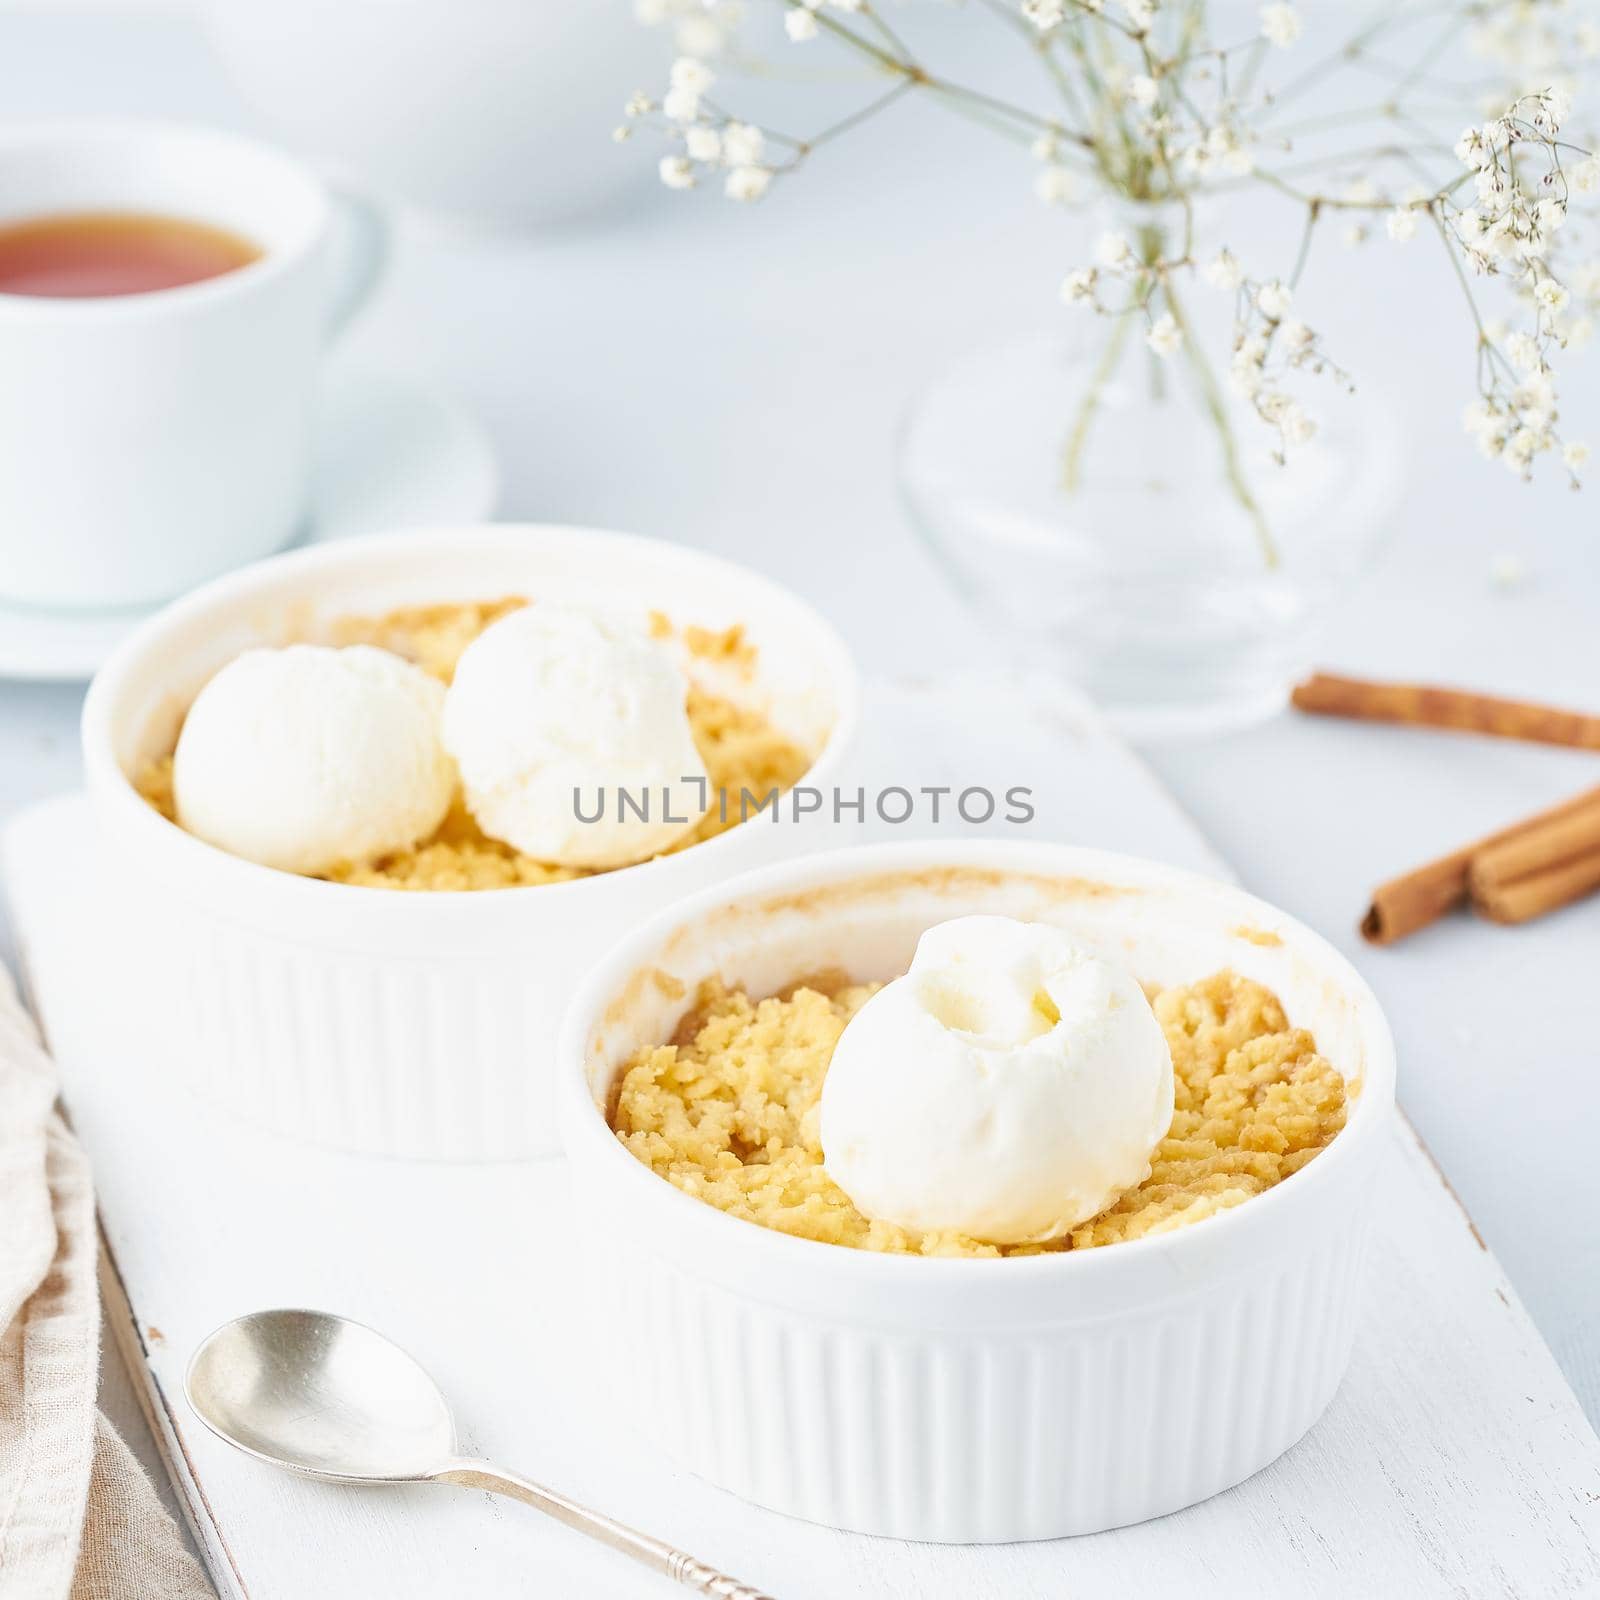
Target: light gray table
732,378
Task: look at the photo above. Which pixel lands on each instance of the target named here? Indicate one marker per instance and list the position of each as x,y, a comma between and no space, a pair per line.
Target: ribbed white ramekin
408,1024
970,1400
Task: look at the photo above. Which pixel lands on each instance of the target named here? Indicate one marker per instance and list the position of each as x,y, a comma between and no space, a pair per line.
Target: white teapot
495,113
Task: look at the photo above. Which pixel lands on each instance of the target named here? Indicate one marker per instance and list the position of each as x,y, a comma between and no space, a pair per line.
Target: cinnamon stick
1419,705
1551,844
1523,899
1538,871
1423,895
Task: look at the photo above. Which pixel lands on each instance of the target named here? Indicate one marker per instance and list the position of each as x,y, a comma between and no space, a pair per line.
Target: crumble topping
729,1110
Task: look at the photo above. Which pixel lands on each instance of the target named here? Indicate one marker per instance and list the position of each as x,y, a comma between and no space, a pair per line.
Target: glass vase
1118,518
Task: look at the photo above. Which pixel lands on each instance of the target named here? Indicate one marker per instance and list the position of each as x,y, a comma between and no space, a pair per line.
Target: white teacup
150,441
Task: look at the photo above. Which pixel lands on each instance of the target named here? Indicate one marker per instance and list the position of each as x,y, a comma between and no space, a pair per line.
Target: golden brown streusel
432,636
740,748
728,1113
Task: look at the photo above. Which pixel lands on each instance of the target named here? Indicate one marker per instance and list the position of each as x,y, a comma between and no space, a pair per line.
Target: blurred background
734,376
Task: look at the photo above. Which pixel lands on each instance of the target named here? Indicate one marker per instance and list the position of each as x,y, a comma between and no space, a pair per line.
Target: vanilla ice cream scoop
1009,1086
306,757
572,737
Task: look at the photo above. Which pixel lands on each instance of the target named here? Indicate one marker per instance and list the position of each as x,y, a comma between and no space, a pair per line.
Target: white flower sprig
711,144
1271,344
1521,195
1152,110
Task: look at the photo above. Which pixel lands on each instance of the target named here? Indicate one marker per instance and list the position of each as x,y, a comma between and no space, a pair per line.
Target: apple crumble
728,1112
741,749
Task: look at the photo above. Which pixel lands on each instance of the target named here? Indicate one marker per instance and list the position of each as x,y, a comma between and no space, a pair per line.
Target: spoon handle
653,1553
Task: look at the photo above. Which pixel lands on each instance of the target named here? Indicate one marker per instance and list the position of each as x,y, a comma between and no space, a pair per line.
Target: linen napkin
78,1518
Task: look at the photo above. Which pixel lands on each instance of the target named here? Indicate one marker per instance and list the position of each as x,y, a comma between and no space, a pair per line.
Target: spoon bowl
321,1395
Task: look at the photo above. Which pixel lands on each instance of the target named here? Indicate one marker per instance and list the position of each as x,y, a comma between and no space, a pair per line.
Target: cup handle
361,241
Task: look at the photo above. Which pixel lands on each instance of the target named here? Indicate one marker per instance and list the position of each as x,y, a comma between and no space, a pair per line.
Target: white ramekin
970,1400
409,1024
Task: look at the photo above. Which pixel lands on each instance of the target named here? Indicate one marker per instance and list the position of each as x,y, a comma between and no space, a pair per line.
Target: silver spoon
329,1398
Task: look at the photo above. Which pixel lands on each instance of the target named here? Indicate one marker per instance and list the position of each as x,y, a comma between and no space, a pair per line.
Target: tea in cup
85,255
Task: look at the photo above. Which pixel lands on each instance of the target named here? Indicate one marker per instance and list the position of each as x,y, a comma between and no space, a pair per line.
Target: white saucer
388,456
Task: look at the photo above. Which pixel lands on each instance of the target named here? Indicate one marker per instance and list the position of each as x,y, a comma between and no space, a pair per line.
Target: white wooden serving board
1454,1460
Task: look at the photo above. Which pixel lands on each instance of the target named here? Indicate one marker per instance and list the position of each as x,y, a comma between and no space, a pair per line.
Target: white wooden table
1455,1459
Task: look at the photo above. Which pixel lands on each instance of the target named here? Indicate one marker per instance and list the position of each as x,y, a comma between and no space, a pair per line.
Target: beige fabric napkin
78,1518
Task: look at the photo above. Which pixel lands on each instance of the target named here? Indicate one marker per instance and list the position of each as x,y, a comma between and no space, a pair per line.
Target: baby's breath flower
702,143
1585,177
698,36
747,183
1522,351
1575,455
1223,270
1113,250
1281,24
691,75
1552,108
1164,335
1487,426
639,104
1142,90
1140,13
1045,148
677,172
1507,571
1296,425
698,29
1273,406
1245,370
799,24
1222,149
1274,299
1522,447
1550,216
1534,400
1295,334
1550,295
621,133
1077,288
1473,150
1045,14
1401,224
1492,188
743,144
1054,185
680,105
